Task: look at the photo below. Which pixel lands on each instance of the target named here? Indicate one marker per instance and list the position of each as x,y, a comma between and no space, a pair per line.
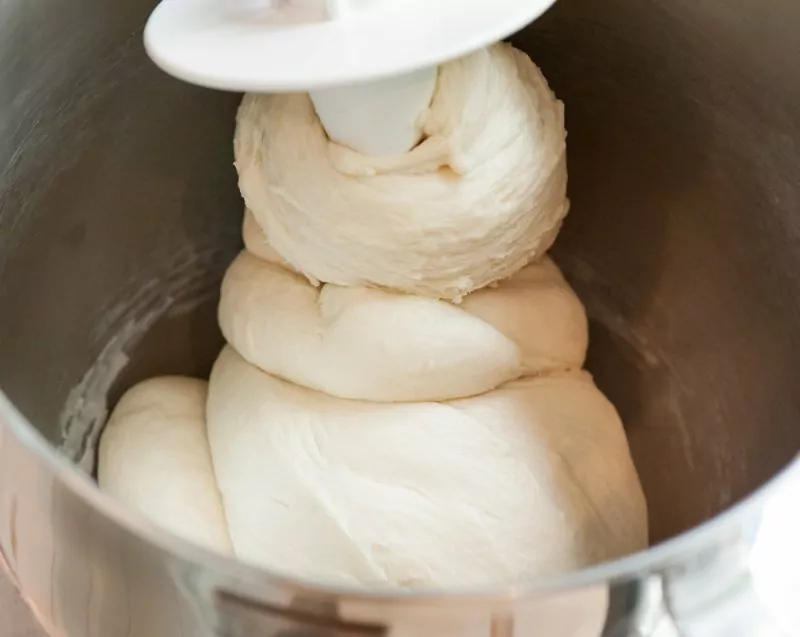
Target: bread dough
385,346
401,403
255,242
154,457
480,197
529,480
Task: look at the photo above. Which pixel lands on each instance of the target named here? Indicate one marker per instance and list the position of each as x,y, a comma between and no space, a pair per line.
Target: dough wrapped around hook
479,198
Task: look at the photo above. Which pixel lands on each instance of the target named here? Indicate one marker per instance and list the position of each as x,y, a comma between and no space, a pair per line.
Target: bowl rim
634,566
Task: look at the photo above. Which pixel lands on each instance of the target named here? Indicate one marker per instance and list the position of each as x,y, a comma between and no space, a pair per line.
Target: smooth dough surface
480,197
154,457
371,344
529,480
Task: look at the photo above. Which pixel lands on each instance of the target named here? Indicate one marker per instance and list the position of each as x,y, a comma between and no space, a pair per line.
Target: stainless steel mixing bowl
119,212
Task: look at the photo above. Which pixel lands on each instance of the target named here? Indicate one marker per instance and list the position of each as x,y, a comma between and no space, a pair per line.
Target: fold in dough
479,198
382,346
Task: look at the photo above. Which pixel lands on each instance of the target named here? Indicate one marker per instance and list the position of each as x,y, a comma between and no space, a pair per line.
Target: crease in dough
154,457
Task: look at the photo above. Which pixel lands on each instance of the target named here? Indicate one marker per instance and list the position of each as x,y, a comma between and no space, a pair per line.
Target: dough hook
370,65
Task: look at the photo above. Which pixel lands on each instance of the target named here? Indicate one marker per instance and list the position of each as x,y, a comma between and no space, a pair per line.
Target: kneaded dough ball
529,480
372,344
481,196
154,457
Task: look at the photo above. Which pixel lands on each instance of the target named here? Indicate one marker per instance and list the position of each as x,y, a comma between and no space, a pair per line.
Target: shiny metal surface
119,212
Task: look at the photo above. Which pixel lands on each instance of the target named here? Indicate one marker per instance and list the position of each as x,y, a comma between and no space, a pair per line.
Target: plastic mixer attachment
370,65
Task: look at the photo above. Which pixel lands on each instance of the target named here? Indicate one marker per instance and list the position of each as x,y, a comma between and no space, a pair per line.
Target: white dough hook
369,65
299,45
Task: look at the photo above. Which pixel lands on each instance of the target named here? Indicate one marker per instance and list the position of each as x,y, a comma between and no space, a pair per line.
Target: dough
154,457
255,242
383,346
529,480
473,203
401,403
